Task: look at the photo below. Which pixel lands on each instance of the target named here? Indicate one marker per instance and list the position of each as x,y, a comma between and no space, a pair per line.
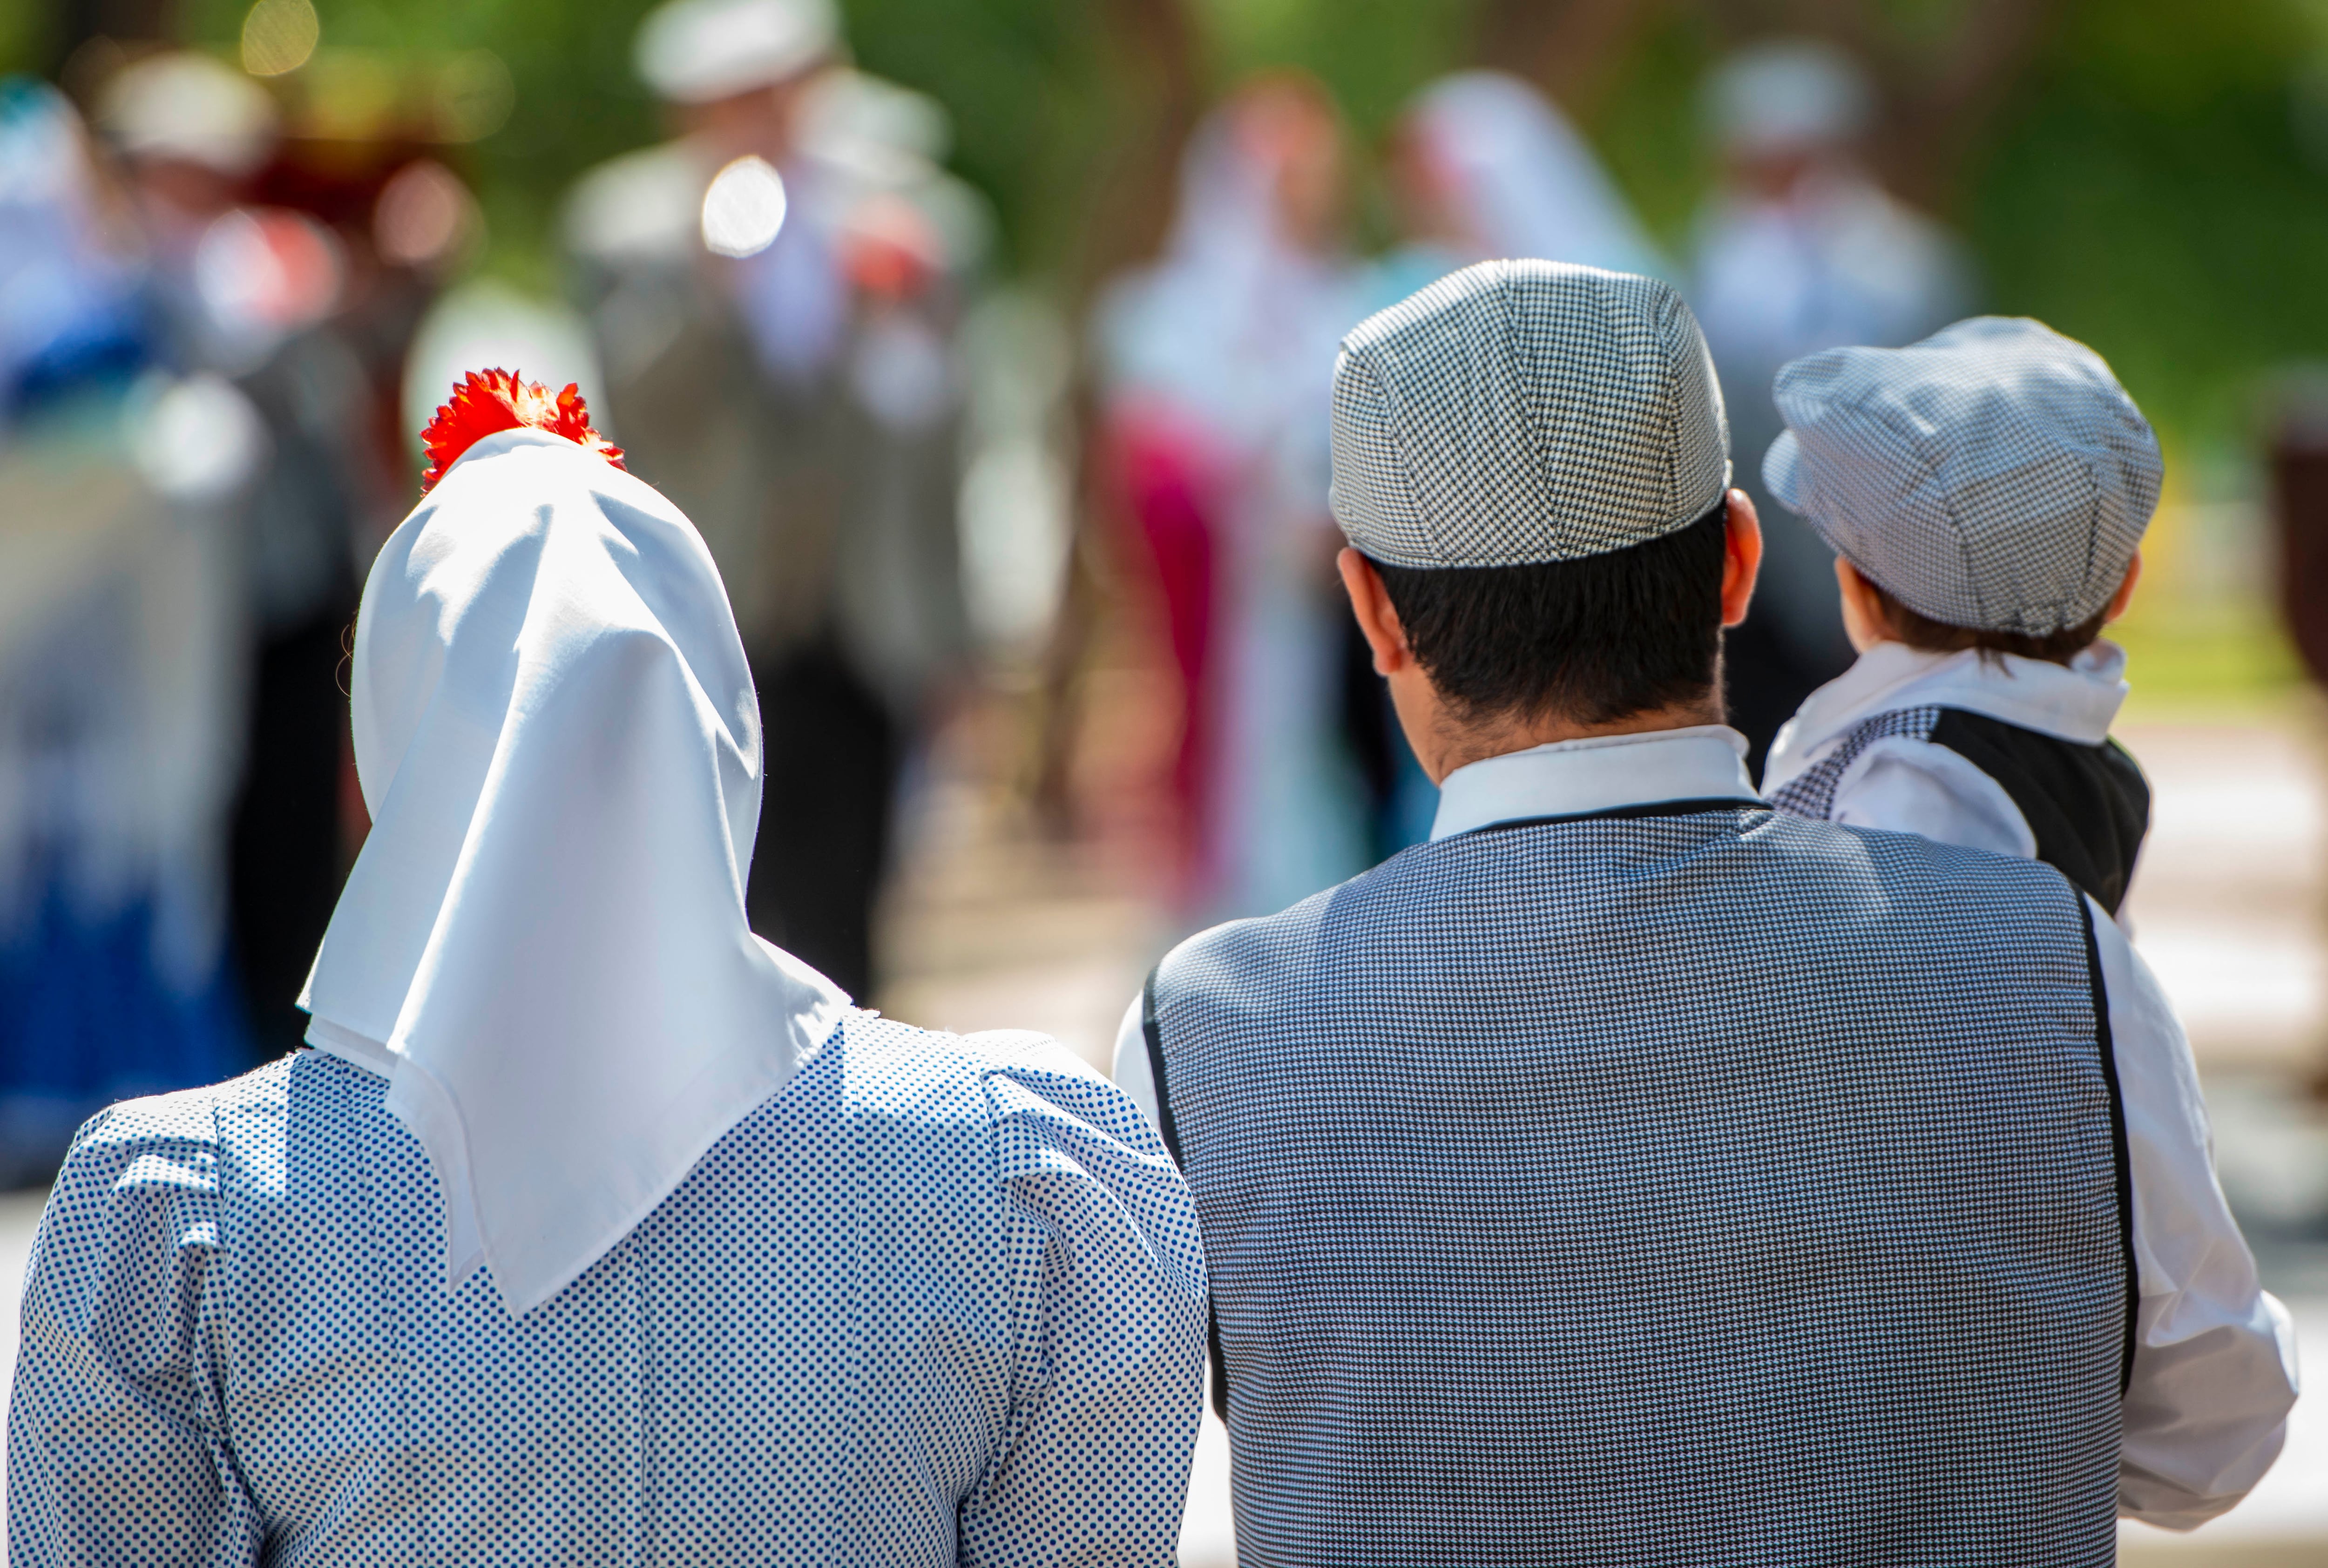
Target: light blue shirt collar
1568,777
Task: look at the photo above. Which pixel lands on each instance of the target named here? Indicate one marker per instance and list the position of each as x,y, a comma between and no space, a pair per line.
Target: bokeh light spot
473,96
744,208
278,36
426,216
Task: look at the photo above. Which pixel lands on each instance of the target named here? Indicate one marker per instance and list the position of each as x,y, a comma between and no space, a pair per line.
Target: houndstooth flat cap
1994,475
1518,412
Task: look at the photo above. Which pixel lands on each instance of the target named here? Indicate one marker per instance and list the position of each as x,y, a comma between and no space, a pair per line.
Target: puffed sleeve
116,1446
1108,1392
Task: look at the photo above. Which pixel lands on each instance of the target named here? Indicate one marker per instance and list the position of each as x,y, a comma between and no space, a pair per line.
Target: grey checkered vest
1685,1186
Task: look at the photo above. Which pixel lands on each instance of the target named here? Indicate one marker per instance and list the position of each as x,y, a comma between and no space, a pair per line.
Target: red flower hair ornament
484,402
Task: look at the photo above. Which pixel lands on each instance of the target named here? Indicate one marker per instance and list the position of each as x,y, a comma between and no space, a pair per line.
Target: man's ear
1377,617
1741,557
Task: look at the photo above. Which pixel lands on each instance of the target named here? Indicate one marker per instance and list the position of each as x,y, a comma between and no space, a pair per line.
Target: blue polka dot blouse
942,1300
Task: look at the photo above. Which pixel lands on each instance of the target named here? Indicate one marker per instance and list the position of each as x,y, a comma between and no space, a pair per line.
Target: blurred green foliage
2205,662
1646,124
23,34
2155,182
2159,188
578,101
1029,85
1372,53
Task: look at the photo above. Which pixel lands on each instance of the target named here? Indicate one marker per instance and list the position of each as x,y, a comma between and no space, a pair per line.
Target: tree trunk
1570,48
1152,55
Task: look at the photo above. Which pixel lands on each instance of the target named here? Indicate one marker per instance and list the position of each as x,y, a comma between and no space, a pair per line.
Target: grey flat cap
1518,412
1994,475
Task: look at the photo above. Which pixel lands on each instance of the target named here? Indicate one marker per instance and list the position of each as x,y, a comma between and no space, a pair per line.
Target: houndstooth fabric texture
1811,793
1994,475
1518,412
1717,1188
941,1300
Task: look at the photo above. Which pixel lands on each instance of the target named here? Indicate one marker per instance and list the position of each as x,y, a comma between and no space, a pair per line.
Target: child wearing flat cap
1986,492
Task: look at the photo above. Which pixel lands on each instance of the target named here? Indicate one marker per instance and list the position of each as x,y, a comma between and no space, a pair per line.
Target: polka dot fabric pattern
1713,1187
1811,793
940,1302
1994,475
1517,412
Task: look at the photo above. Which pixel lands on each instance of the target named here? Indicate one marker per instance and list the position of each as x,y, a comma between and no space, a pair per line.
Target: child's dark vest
1689,1185
2088,806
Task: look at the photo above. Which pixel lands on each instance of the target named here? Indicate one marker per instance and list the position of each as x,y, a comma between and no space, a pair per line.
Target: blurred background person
363,224
1483,167
1216,363
69,316
774,295
1798,248
264,294
120,695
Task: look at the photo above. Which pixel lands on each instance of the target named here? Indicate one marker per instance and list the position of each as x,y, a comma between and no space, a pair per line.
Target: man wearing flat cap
1629,1175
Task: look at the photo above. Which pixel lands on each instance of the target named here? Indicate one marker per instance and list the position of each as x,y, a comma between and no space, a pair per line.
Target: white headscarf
1528,183
1237,321
543,944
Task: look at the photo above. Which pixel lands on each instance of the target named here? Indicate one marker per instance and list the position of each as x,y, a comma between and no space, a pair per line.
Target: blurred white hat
190,107
700,50
850,114
1790,94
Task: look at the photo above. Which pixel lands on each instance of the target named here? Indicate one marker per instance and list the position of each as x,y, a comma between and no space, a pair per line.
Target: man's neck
1458,743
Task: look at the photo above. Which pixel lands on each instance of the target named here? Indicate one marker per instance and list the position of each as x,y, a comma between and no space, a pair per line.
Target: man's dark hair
1593,640
1920,631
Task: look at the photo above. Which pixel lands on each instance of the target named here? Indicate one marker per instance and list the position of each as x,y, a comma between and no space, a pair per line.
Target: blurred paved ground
996,924
2230,908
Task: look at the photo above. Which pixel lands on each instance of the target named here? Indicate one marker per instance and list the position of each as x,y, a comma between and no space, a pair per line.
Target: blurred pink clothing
1171,493
1217,363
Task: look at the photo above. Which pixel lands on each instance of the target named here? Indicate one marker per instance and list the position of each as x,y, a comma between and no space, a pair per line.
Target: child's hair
1920,631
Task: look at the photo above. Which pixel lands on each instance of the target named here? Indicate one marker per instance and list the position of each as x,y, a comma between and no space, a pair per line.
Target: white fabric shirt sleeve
1132,1074
1902,785
2214,1357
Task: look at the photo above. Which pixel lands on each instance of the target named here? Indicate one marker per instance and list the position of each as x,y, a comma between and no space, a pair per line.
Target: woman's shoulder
140,1194
174,1137
910,1071
1033,1109
1009,1122
234,1133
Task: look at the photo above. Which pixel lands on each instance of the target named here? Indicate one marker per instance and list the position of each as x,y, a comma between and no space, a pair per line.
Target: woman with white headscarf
1485,168
595,1228
1218,366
